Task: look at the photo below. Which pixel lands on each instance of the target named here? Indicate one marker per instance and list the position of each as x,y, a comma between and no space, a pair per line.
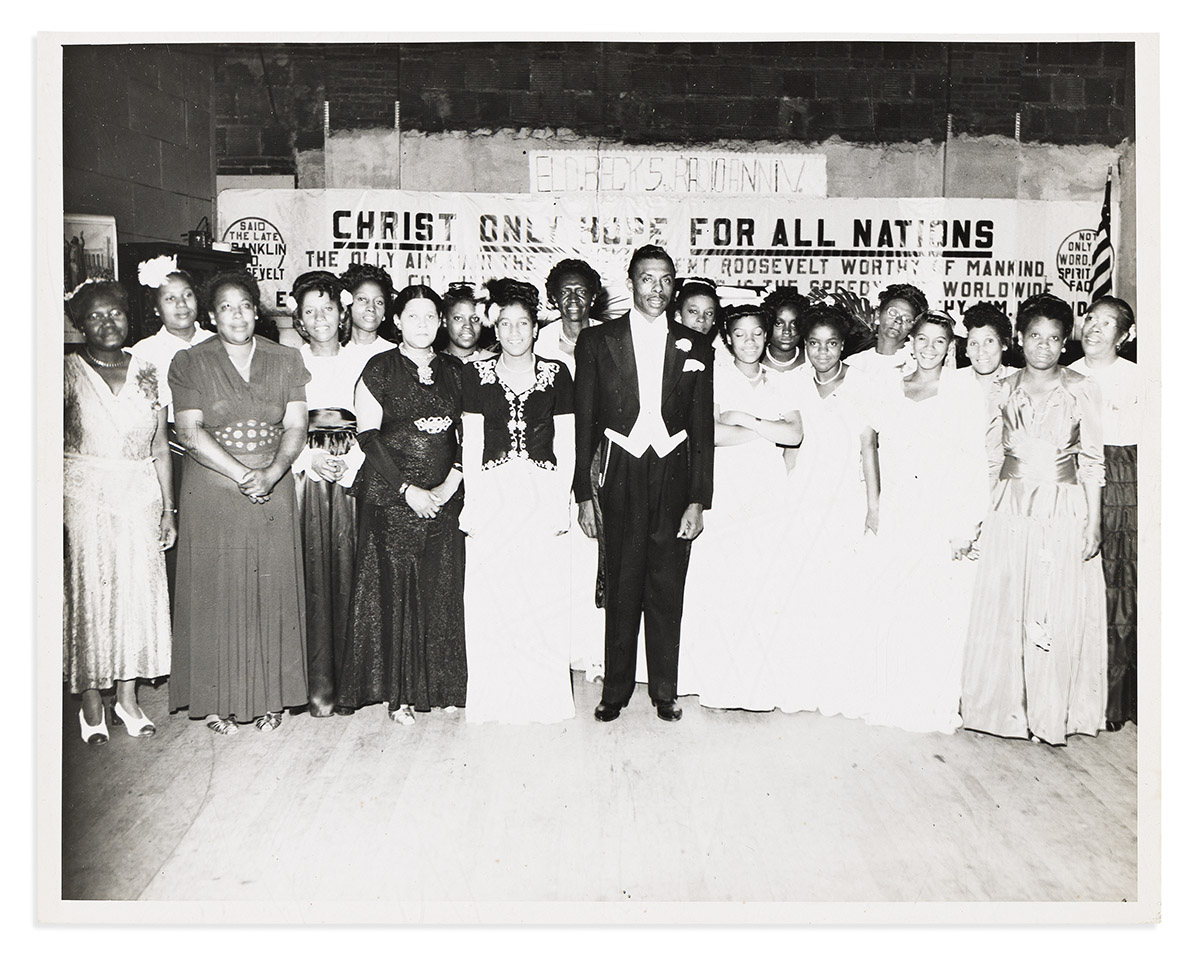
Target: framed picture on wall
89,250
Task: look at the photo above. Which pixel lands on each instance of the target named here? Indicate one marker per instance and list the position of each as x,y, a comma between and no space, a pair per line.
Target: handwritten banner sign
958,251
676,172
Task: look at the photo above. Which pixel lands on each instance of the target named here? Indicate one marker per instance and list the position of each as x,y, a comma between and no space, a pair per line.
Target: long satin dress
1036,657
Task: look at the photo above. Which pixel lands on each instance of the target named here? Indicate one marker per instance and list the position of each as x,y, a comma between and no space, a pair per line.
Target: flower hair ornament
290,303
154,272
491,315
81,285
345,297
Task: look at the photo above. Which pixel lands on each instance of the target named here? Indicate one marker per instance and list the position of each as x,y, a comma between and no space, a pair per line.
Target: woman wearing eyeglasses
933,496
899,306
118,517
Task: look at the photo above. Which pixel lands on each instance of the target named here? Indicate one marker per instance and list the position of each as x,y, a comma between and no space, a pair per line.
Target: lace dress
116,622
404,644
517,503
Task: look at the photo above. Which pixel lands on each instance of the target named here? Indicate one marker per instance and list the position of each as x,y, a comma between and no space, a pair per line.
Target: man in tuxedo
644,398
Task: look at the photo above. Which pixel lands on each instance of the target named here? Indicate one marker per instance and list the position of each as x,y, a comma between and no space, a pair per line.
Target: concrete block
131,156
160,214
1067,90
88,192
241,140
157,114
580,72
200,127
81,146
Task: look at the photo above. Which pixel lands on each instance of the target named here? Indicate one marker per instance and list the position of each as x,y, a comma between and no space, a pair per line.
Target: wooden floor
721,806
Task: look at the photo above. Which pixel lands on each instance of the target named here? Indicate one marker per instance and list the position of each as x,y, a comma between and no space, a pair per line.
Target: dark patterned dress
239,630
404,644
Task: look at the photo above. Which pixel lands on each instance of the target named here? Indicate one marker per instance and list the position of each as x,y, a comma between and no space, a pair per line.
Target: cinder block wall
269,98
138,137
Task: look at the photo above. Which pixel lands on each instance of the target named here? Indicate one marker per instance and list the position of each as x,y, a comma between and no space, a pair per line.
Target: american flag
1102,253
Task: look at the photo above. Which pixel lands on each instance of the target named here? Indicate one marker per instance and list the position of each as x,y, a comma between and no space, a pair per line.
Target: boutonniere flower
683,344
147,382
347,298
154,272
691,364
291,304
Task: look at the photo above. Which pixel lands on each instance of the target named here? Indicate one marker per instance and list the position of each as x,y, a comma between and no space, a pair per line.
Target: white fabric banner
958,250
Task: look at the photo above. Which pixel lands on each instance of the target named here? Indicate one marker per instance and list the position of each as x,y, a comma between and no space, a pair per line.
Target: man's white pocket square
691,364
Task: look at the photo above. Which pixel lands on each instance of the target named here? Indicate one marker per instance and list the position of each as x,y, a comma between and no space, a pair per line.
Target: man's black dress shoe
605,712
668,710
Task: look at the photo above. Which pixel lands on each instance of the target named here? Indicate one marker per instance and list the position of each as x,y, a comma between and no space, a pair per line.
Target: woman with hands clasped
325,470
118,517
933,495
1036,652
725,655
405,643
241,416
519,461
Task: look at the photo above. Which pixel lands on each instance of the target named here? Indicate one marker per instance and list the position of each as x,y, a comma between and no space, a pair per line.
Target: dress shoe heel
668,710
135,727
605,712
93,734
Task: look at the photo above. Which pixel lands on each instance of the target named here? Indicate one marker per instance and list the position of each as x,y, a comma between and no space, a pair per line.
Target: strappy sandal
223,726
270,721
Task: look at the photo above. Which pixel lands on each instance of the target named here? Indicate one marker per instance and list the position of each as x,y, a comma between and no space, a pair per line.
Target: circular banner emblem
1074,260
262,239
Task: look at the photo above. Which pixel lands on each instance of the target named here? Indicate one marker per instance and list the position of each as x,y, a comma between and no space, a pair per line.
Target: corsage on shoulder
683,344
691,364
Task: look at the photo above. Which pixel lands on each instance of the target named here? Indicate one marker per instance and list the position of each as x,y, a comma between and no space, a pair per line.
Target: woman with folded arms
725,656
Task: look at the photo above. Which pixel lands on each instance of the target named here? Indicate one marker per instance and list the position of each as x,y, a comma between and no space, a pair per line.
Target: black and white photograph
599,478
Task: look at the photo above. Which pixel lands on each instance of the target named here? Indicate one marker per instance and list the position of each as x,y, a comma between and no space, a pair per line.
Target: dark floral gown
405,643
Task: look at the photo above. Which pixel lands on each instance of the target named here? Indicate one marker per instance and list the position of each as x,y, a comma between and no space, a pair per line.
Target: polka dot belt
249,437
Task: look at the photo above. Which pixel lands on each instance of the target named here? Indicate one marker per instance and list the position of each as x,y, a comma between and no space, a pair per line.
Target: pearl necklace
99,363
817,379
771,360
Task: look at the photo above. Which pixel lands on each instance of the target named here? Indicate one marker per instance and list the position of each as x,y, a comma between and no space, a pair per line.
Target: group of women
362,521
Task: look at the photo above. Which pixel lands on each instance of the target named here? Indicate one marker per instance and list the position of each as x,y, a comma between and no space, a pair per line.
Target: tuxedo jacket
607,396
